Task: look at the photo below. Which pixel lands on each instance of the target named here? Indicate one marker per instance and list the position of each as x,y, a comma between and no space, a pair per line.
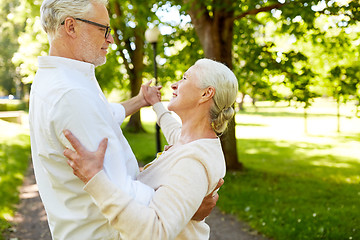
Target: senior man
65,95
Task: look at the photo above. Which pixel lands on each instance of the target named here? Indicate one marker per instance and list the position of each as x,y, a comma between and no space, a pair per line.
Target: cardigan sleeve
170,210
169,125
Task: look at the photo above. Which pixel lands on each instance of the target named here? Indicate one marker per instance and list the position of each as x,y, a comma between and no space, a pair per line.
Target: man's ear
208,94
70,27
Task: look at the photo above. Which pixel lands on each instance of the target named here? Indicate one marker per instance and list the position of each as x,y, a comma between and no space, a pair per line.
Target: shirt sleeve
169,211
118,112
169,125
87,117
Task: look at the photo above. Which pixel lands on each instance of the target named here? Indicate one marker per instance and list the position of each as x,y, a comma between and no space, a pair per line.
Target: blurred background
292,149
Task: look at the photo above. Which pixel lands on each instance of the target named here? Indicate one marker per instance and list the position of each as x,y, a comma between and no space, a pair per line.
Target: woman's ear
208,94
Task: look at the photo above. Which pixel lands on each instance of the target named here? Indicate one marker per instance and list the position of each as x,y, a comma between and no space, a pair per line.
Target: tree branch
197,11
262,9
119,13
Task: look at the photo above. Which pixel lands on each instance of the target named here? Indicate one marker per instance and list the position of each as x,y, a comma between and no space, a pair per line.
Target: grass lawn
295,185
14,159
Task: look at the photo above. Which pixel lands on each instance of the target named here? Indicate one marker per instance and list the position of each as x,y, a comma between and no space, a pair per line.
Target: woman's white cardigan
182,177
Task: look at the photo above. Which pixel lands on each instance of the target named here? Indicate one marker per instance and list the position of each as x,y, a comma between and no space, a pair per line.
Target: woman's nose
174,86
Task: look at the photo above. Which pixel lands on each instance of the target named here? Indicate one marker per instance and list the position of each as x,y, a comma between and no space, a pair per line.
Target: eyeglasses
107,28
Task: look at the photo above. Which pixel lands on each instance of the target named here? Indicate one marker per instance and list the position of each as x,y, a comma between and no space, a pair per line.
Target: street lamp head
152,34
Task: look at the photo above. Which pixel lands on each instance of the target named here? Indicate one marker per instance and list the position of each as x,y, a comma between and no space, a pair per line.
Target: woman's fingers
220,183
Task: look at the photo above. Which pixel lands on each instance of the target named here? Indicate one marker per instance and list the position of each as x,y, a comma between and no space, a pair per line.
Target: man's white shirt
65,95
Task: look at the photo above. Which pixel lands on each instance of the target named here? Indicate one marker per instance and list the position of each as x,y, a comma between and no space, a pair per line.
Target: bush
12,105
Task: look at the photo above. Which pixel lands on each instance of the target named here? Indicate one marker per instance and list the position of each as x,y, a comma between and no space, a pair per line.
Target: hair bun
228,113
220,123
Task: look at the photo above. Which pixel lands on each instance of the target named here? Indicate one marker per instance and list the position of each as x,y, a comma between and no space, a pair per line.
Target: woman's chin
170,107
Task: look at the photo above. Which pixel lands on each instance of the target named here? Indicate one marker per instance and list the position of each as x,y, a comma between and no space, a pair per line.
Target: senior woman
186,172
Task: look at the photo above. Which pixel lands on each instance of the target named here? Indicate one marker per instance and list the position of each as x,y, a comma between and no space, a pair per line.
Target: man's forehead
100,12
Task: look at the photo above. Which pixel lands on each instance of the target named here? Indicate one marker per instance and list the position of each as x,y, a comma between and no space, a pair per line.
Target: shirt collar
53,61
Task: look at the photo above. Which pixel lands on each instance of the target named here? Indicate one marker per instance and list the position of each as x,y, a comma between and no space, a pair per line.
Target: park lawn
294,185
14,160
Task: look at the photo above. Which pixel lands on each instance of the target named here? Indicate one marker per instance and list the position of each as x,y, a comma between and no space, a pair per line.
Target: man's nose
110,39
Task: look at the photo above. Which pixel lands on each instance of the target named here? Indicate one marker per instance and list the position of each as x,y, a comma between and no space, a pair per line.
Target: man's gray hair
54,12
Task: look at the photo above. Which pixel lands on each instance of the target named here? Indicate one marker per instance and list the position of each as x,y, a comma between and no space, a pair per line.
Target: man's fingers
70,163
148,83
102,147
70,154
73,140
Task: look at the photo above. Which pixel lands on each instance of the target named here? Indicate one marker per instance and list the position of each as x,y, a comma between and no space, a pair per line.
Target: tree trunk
241,103
216,36
134,65
134,124
338,114
137,55
305,120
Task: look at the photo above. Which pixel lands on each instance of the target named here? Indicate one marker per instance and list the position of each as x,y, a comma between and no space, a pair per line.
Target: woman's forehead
191,71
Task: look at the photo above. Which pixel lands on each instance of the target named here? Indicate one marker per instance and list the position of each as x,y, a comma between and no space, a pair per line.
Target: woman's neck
195,127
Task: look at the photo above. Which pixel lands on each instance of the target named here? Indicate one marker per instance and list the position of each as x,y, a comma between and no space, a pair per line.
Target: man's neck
60,48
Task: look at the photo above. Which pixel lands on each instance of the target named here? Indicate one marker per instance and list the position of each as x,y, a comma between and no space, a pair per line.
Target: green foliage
295,187
268,49
12,105
8,45
111,75
21,40
14,160
182,50
280,48
125,64
33,40
346,82
137,142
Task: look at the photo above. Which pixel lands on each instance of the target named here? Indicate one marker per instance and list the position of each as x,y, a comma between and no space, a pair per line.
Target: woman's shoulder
209,153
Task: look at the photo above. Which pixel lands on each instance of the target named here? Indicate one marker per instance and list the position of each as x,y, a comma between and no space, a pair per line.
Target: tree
346,84
9,30
31,38
129,20
338,67
215,22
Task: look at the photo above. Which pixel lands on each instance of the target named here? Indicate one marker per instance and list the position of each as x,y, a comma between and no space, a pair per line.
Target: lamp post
152,36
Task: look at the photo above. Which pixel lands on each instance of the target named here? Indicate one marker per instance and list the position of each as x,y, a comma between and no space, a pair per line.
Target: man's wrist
142,101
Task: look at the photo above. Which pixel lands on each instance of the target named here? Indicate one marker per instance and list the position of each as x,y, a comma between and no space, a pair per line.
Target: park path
30,221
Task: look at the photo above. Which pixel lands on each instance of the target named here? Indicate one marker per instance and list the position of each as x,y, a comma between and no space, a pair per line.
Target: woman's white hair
219,76
54,12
